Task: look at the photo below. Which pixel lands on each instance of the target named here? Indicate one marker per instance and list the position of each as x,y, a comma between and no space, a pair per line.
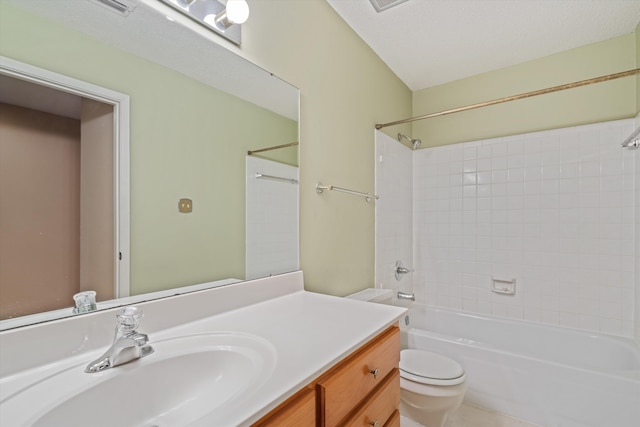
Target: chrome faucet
128,344
406,296
400,270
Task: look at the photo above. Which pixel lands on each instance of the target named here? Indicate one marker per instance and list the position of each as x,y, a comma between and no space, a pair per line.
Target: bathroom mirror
196,109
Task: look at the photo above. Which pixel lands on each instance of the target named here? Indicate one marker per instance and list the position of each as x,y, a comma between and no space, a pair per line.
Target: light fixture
214,15
236,12
382,5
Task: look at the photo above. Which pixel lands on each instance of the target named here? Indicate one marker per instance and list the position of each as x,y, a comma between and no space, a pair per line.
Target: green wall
345,90
187,140
600,102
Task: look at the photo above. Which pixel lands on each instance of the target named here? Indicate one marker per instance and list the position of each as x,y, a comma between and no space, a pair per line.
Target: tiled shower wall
553,210
559,211
394,212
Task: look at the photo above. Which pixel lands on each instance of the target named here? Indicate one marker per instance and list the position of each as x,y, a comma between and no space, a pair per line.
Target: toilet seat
430,368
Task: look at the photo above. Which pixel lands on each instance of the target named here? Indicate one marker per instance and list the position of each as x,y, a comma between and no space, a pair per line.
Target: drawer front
299,411
380,407
343,389
394,421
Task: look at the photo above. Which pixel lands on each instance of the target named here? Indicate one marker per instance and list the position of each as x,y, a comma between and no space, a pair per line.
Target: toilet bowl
431,386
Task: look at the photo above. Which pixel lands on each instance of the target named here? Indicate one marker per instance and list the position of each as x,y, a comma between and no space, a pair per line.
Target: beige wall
601,102
96,199
345,89
39,211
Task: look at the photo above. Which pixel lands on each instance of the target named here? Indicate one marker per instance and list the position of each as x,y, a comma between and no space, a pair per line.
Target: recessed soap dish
503,286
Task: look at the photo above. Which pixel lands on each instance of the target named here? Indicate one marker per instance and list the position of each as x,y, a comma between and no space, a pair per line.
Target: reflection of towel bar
276,178
276,147
320,188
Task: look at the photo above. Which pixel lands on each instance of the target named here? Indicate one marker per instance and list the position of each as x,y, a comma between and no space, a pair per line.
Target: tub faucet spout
404,295
128,344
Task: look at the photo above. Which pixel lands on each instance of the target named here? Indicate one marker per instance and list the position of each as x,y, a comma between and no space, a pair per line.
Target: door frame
121,139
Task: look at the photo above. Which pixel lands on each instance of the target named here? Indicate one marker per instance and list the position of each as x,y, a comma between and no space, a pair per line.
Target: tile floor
473,416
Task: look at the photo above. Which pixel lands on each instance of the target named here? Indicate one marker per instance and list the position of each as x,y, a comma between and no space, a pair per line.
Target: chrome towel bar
320,188
275,178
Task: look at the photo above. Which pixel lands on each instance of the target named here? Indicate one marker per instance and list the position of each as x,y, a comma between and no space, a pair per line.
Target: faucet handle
85,302
400,270
128,319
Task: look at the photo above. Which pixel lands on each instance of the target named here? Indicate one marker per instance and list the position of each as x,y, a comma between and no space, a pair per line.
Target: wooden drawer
394,421
345,387
298,411
380,406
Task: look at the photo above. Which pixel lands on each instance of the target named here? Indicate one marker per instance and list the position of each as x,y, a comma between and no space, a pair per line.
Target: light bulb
237,11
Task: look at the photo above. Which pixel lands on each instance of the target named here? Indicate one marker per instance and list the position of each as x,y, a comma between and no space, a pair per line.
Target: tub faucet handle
400,270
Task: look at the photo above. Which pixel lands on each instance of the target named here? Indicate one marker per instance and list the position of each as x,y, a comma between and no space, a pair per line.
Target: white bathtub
547,375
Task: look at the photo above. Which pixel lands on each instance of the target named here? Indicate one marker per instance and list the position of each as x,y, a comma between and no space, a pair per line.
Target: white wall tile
554,209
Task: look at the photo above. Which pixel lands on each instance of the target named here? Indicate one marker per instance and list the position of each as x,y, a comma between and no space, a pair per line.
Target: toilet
431,385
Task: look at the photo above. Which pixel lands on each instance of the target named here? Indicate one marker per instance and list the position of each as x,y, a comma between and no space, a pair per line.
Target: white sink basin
185,379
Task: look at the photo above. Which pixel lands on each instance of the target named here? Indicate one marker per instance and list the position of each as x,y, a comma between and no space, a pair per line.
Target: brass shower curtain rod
275,147
516,97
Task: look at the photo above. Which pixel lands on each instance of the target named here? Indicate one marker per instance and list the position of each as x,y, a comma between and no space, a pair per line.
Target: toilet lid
430,368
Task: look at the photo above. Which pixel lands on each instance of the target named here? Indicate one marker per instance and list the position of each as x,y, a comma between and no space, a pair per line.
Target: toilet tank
382,296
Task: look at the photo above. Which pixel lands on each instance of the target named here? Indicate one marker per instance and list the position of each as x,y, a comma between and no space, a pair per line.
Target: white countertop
310,332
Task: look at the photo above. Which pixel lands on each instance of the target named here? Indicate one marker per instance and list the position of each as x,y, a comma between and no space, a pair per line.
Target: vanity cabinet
361,390
357,380
298,411
380,406
394,421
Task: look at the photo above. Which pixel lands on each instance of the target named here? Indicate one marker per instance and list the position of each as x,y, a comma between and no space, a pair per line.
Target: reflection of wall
39,211
187,140
272,219
96,199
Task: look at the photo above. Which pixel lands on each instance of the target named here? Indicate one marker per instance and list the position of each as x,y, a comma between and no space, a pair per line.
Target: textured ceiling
430,42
